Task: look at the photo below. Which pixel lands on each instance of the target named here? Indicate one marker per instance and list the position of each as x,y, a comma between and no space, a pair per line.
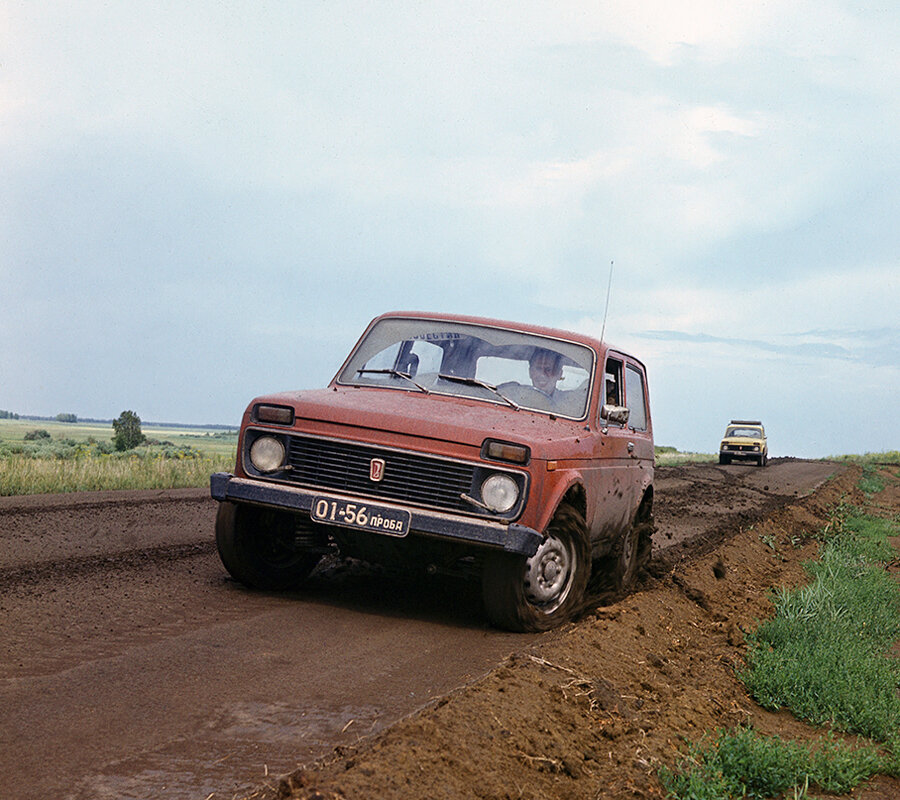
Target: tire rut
125,561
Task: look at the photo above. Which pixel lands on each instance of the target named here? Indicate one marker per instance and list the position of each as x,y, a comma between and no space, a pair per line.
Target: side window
613,394
612,388
637,405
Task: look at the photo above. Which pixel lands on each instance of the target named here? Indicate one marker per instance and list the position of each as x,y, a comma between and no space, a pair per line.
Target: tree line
58,417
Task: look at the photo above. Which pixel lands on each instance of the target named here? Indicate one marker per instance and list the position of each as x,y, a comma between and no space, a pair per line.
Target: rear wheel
630,554
258,547
540,592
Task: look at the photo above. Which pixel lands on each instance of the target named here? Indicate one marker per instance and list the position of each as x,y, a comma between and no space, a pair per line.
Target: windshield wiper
397,374
475,382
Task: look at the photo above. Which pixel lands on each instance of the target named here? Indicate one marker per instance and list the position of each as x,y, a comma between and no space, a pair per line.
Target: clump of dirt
597,707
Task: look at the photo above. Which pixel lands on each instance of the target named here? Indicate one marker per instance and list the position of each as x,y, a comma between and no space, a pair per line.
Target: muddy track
127,561
131,667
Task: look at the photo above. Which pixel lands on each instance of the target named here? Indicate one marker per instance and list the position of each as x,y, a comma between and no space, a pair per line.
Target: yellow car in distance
744,439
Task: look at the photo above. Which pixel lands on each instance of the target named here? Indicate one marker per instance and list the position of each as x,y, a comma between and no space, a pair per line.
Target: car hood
432,416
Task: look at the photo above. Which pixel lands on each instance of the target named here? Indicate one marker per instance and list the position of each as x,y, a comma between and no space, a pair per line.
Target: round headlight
499,493
267,454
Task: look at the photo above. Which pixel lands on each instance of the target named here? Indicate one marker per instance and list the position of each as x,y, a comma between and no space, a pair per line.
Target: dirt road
130,667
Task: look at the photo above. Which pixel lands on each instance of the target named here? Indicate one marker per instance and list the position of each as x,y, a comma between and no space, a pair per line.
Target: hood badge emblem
376,469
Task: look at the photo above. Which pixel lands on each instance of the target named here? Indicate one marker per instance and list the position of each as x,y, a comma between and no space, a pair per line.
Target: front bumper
506,536
740,453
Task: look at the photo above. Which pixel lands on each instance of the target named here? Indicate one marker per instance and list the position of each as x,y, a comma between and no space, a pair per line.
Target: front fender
556,486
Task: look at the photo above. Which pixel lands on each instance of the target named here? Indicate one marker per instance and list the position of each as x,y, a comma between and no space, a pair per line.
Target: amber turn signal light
505,451
279,415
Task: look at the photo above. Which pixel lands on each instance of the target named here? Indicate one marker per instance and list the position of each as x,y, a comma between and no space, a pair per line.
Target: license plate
354,514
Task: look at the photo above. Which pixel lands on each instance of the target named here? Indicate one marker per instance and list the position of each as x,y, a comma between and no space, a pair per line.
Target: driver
545,370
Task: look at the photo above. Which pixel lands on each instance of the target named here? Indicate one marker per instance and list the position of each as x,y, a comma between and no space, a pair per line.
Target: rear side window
637,401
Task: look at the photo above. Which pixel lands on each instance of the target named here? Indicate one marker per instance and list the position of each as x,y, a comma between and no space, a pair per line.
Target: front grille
408,477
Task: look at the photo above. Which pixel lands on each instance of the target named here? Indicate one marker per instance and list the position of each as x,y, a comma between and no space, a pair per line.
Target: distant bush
32,436
127,431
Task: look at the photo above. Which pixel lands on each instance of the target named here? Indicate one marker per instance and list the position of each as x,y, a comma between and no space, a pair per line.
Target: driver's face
545,372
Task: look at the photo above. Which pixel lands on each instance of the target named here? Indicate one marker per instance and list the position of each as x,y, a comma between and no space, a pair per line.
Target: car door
612,496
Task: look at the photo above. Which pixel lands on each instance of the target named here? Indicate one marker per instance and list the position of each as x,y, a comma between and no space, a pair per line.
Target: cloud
808,349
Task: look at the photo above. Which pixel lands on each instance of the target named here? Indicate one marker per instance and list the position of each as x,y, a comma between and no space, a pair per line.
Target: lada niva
745,439
520,454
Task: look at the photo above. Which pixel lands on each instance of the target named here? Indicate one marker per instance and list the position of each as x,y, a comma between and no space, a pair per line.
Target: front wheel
258,547
540,592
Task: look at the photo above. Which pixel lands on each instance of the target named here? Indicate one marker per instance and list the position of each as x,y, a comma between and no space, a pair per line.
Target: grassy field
670,457
44,456
870,459
209,441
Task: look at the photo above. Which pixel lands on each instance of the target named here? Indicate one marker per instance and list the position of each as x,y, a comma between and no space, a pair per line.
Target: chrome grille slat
409,477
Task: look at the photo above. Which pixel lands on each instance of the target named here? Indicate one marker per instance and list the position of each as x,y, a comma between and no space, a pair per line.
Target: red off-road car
521,453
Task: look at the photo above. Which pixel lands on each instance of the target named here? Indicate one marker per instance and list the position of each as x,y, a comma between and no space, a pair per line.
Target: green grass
78,457
133,470
825,656
871,482
741,763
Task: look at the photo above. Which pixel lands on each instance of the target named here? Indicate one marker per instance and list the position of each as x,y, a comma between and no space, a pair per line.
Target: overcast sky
202,202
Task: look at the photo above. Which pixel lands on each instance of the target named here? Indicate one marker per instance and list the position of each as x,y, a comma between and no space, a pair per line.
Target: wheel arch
573,493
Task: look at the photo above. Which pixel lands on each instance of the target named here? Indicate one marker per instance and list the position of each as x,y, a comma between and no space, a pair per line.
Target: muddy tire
541,592
624,560
618,571
630,555
724,459
258,547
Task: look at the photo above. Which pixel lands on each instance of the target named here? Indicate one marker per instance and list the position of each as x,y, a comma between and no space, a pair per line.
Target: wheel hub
548,573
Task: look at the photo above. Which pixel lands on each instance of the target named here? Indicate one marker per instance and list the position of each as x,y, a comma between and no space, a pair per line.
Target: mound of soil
593,710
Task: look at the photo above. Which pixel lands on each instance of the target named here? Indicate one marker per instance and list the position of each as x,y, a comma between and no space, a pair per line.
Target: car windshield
751,433
496,365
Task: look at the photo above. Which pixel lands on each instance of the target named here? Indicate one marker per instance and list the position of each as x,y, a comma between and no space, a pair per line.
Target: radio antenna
606,311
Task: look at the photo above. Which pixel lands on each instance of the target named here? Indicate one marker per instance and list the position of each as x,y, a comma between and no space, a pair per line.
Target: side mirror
617,414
